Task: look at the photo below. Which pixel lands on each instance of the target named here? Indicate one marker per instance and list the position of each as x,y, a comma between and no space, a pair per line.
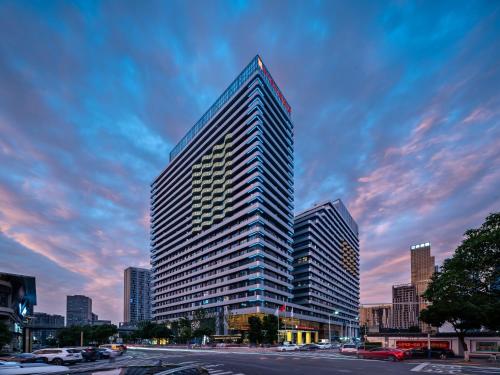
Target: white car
288,348
324,345
16,368
59,356
349,348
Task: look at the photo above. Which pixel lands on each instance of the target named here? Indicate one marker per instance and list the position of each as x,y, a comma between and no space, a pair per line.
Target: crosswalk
437,368
150,360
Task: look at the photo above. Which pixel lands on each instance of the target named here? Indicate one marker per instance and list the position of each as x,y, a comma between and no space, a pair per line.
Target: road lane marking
419,367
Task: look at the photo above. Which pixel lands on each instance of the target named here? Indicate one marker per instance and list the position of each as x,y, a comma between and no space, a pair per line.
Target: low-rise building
17,301
44,328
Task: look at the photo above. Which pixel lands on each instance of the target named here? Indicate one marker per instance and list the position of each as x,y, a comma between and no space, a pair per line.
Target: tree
70,336
255,330
102,333
5,335
185,330
270,328
466,292
145,330
203,325
161,331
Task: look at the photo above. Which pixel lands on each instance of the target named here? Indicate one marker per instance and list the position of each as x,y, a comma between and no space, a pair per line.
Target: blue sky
396,107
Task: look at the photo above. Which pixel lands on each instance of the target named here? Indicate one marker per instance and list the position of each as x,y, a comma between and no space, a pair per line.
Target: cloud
396,113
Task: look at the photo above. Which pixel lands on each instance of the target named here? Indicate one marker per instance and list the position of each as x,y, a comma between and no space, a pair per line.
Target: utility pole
81,338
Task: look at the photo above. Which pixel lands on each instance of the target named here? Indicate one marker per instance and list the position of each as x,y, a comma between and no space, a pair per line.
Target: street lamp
329,327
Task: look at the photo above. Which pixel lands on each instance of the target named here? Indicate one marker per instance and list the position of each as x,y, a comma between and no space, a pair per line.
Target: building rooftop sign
427,244
255,65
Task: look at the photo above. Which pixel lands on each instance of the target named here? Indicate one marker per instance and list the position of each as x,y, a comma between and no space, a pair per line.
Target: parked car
59,356
288,347
20,357
16,368
349,348
118,348
89,354
104,353
324,345
308,347
382,353
424,353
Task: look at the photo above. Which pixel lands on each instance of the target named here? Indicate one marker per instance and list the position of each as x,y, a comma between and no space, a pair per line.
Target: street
234,362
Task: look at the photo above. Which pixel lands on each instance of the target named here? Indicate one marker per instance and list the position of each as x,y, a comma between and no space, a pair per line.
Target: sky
396,109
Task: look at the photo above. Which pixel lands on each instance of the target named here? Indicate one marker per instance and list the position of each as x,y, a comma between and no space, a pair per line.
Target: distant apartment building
79,311
44,327
137,296
376,317
101,322
405,306
326,263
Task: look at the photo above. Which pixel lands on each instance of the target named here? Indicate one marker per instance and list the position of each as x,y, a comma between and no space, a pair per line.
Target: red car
382,353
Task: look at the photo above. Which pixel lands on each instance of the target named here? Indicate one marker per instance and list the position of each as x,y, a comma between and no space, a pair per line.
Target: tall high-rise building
326,263
137,300
423,266
78,310
222,209
405,308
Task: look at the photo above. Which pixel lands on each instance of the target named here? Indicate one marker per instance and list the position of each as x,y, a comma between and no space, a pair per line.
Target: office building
137,301
375,318
222,209
326,263
405,306
79,311
44,328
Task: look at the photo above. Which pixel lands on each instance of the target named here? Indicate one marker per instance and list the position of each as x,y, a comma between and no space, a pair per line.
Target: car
424,353
349,348
104,353
308,347
324,345
59,356
16,368
287,347
119,348
382,353
20,358
89,354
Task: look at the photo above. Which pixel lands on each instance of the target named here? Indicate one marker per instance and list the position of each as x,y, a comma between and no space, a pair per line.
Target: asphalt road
229,362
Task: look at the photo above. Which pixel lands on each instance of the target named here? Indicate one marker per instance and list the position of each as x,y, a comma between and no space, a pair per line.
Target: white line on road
419,367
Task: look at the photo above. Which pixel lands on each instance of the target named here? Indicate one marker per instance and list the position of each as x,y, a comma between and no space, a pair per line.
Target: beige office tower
422,268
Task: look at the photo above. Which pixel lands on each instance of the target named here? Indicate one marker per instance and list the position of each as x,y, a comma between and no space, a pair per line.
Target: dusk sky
396,108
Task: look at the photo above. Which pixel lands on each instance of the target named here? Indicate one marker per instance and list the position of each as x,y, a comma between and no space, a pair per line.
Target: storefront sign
411,344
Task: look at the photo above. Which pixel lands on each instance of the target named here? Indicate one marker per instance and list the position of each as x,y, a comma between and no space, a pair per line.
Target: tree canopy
466,291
